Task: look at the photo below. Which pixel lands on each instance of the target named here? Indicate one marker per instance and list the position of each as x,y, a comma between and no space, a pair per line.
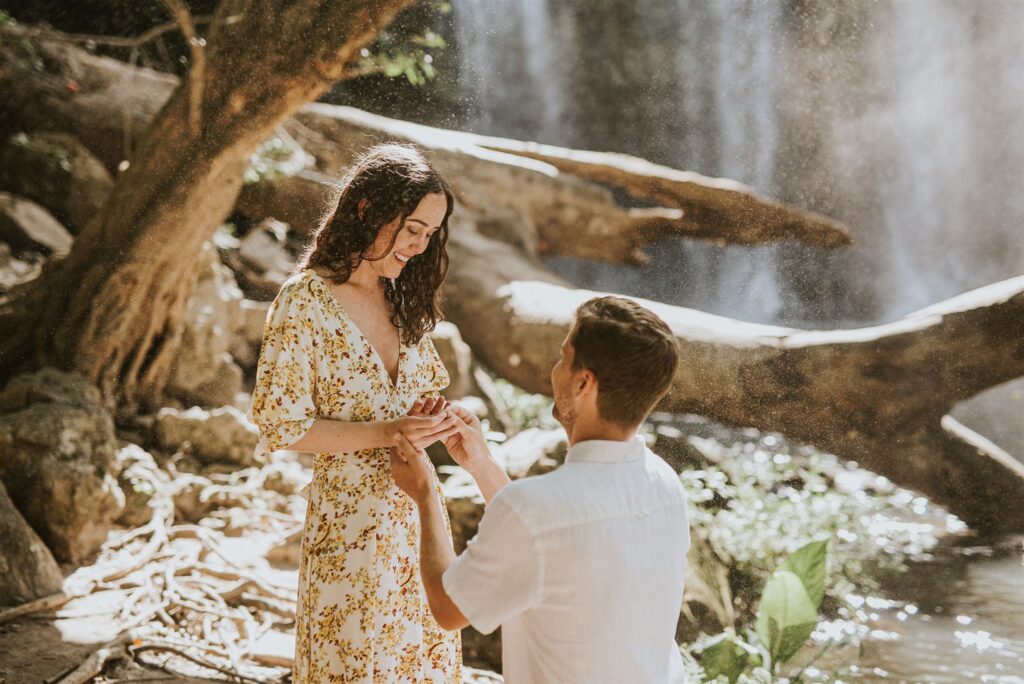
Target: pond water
959,617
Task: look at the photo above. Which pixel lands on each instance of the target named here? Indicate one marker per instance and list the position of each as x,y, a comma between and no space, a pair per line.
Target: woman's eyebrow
423,223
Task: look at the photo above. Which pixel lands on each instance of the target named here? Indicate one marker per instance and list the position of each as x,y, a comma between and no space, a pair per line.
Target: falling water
902,118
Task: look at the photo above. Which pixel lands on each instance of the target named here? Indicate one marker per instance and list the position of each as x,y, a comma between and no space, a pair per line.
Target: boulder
465,513
679,449
57,171
139,477
204,372
221,435
14,271
533,451
27,568
49,386
27,227
57,460
249,335
266,261
457,358
190,502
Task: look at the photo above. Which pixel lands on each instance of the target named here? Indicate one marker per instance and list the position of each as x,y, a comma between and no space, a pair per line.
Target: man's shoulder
534,499
665,475
522,494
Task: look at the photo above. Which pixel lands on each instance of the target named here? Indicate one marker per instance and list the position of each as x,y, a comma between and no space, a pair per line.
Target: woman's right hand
422,431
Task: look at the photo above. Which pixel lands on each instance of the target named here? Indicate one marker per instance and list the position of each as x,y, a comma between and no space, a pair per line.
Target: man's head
617,362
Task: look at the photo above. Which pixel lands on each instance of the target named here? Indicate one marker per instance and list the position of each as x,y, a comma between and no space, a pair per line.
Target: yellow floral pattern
362,614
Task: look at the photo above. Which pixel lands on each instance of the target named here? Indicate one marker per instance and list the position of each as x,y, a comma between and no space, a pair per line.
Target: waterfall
903,119
913,111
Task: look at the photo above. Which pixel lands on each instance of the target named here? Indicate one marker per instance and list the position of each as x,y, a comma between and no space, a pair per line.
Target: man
583,566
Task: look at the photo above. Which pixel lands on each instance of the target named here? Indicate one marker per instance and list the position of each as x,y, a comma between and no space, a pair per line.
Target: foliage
411,59
56,156
727,655
763,499
788,611
787,615
525,409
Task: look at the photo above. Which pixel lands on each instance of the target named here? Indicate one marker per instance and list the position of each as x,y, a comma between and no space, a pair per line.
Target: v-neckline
351,322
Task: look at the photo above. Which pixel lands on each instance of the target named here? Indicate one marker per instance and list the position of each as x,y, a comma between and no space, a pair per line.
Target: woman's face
413,238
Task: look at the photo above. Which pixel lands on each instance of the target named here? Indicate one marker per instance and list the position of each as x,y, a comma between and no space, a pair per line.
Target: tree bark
112,309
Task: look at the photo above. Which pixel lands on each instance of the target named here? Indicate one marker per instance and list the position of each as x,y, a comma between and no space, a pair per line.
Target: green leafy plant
411,58
790,601
728,655
786,617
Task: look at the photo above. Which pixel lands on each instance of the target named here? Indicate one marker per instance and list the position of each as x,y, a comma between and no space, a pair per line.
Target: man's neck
586,431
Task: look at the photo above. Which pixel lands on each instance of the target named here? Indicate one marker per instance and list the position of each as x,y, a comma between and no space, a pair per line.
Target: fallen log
877,395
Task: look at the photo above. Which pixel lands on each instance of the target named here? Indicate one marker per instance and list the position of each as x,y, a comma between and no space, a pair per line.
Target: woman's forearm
341,436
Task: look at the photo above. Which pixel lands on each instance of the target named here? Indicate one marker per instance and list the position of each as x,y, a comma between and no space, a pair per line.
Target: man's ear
586,383
361,208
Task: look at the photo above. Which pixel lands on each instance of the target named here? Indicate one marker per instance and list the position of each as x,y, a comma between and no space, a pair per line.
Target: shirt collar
606,451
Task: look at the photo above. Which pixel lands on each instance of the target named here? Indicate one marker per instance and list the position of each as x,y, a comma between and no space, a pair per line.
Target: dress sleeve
282,401
431,374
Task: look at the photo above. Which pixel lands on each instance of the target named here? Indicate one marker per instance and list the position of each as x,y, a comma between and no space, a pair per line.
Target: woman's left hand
428,406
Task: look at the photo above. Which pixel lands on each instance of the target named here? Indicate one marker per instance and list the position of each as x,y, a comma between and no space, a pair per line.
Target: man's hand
467,444
412,470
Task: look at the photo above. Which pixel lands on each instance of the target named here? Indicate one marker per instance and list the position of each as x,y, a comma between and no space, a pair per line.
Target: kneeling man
582,567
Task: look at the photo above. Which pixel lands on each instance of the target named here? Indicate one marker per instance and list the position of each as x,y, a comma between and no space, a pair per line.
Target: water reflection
959,617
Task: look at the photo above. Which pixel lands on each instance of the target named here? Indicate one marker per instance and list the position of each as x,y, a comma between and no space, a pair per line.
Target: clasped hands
431,420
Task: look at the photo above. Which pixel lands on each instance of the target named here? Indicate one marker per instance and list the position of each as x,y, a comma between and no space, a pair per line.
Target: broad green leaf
808,563
729,656
786,616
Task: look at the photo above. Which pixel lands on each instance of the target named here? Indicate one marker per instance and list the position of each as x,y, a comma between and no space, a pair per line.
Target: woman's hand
428,406
422,431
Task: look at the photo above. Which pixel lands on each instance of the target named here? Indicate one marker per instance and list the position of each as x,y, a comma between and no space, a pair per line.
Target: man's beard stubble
565,418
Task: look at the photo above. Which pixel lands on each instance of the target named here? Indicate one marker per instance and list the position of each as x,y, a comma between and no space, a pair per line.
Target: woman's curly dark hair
392,179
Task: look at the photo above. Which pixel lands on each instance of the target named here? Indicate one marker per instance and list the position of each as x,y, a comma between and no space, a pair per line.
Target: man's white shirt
583,568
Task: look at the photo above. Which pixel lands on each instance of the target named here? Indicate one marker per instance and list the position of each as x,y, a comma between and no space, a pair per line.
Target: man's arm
436,556
499,574
411,471
468,448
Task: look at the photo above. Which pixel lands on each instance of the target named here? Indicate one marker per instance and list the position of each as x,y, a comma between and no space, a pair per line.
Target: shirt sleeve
499,574
282,401
432,375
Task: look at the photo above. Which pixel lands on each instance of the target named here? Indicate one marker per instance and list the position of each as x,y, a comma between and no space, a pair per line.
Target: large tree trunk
877,395
112,309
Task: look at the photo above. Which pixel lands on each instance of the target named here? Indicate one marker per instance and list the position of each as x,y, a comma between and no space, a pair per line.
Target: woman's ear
361,208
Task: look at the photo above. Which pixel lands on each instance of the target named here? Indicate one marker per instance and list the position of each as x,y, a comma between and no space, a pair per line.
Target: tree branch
197,71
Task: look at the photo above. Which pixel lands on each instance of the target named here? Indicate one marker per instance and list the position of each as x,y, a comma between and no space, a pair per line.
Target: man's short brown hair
632,353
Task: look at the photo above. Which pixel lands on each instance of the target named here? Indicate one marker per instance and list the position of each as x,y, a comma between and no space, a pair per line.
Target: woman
345,358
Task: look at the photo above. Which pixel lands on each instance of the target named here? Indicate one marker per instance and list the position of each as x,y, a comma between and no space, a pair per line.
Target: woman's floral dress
362,614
